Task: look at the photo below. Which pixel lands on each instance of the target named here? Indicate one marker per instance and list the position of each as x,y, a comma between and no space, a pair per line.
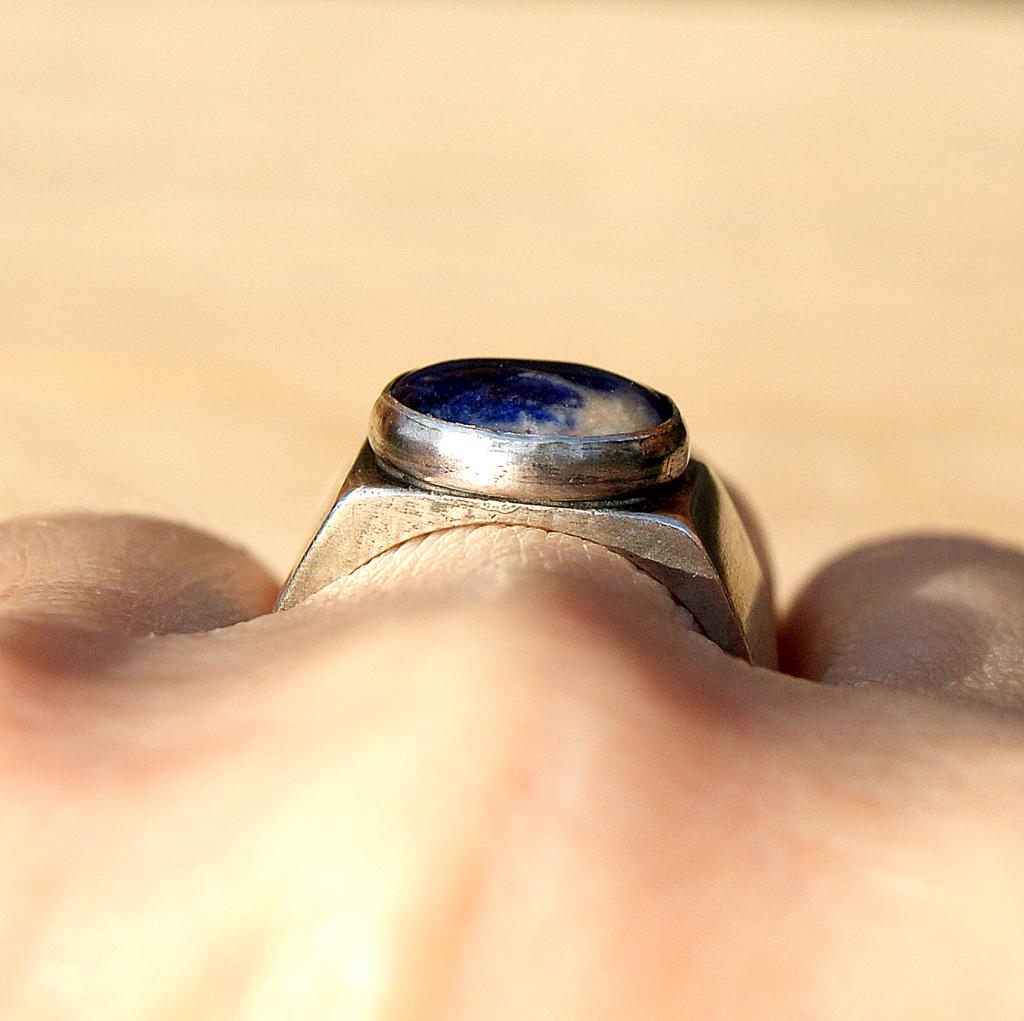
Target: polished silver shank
525,467
688,536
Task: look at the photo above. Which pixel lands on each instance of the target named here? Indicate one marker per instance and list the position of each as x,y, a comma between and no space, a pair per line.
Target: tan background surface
223,227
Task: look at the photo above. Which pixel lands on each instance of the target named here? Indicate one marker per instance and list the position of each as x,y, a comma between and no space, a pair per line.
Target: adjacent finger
939,614
74,588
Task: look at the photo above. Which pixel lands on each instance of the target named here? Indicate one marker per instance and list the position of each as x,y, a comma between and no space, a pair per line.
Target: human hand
494,775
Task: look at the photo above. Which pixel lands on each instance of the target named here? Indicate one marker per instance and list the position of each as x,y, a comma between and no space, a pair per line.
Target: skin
495,774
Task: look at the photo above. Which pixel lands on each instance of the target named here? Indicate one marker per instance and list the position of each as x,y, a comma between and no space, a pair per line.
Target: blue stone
543,398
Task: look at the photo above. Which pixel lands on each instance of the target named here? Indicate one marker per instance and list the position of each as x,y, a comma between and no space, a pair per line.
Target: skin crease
496,775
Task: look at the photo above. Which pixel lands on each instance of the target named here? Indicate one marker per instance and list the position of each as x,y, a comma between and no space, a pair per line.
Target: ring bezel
526,467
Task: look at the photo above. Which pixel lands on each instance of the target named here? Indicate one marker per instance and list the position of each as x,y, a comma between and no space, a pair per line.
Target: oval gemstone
541,398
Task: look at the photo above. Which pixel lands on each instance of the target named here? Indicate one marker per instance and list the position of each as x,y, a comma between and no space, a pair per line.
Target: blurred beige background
224,226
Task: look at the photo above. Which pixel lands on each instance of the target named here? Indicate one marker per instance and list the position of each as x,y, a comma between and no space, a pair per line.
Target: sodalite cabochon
506,396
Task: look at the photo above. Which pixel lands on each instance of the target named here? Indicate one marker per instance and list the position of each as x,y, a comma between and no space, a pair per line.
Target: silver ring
553,445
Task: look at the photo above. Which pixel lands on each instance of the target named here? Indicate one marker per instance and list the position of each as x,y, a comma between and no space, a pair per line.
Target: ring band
553,445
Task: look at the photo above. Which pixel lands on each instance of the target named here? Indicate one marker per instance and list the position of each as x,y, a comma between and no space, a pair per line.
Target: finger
74,589
509,564
940,614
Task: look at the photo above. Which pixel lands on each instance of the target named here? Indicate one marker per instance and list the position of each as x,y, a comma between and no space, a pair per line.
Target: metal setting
676,522
528,467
